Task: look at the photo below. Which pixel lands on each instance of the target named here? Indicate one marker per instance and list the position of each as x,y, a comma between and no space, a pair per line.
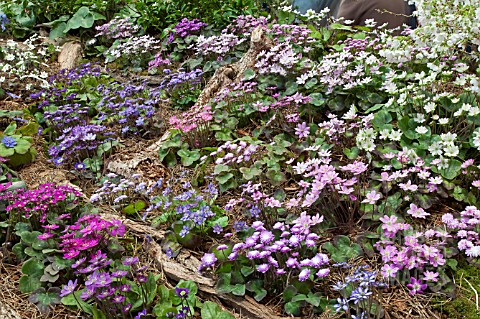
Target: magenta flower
416,286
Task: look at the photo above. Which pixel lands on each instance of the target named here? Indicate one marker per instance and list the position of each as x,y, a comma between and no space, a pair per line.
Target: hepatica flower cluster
81,128
193,210
359,293
38,205
284,251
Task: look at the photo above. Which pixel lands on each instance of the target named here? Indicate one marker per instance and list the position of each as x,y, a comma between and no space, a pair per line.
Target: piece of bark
235,72
70,55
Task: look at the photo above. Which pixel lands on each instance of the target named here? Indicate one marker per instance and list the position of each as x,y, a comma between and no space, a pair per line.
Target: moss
463,306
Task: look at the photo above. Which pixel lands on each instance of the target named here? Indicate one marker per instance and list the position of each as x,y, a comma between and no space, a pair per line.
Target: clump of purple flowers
78,142
89,232
193,208
187,28
109,284
244,25
286,250
132,106
466,230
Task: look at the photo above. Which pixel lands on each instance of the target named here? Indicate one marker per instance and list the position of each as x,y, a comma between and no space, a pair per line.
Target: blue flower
141,314
3,21
80,166
9,141
217,229
360,294
342,304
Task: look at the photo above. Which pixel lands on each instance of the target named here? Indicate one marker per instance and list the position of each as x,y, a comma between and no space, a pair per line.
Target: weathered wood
235,72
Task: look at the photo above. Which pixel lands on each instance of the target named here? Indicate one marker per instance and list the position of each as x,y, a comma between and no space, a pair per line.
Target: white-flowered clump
132,47
217,44
26,60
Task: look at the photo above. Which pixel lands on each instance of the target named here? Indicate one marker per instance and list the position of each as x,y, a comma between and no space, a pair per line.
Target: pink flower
430,276
416,286
389,271
71,254
417,212
372,197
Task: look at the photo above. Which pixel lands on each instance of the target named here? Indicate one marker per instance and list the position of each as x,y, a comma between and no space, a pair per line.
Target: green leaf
317,99
238,290
311,83
249,74
151,288
250,172
293,308
292,88
276,177
351,153
220,168
29,130
75,300
381,118
33,267
135,207
29,237
289,292
453,169
224,178
28,284
452,263
188,157
6,151
211,310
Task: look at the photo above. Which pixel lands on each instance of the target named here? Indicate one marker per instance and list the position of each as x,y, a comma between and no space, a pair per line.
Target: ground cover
238,163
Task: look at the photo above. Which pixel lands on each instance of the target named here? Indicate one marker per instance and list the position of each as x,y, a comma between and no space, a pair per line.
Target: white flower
473,251
396,135
443,121
435,149
421,130
429,107
448,138
419,118
451,150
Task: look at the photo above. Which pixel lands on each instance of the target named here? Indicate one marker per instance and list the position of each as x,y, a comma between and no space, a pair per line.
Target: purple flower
304,274
263,268
360,294
208,260
416,286
302,130
217,229
323,272
117,299
130,261
68,288
182,292
141,314
341,305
